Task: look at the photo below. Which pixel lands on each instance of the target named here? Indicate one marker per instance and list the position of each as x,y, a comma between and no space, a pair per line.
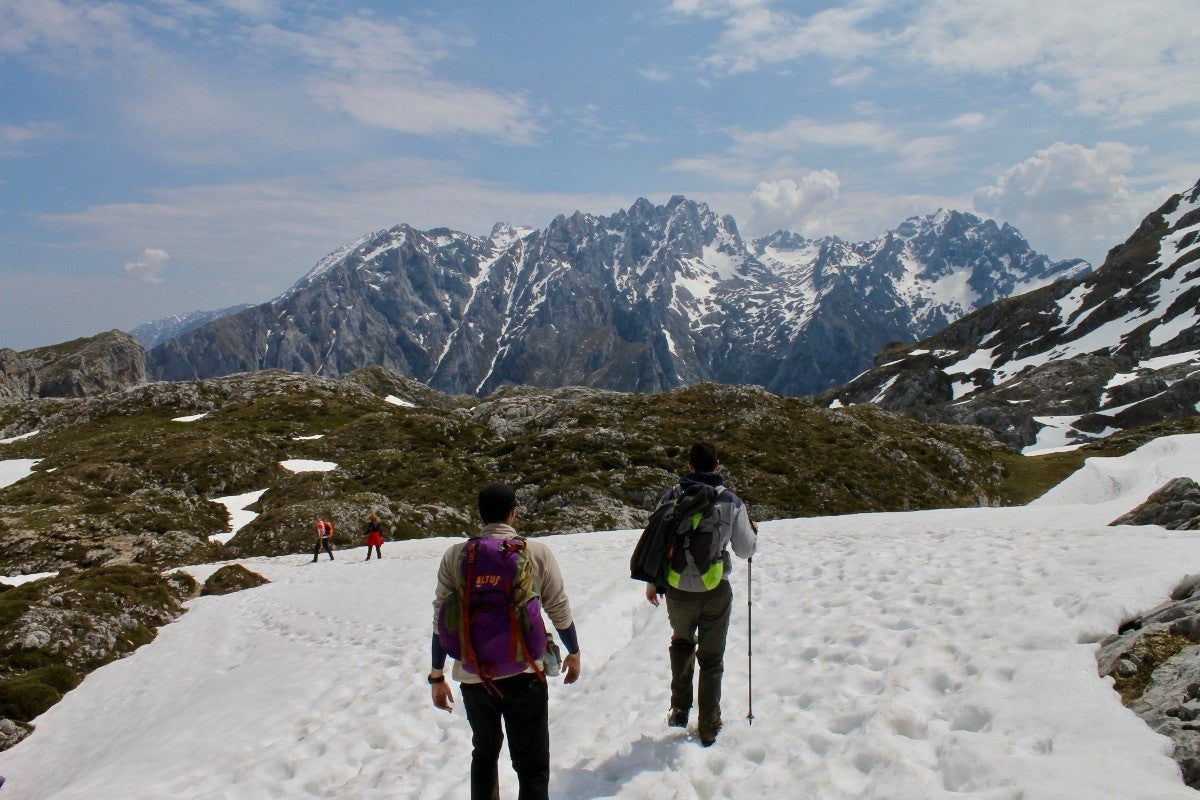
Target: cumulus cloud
1066,198
148,267
790,204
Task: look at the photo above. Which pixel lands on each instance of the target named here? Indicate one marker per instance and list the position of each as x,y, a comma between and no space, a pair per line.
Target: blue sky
167,156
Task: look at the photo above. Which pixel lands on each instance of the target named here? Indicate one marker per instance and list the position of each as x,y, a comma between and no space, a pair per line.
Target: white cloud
1100,57
720,168
1067,199
73,34
788,204
148,267
655,74
855,77
803,132
14,138
431,108
394,86
755,33
1108,58
969,122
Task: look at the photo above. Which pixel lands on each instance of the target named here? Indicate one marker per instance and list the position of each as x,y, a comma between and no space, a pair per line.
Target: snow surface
307,465
17,580
907,656
14,469
399,401
12,439
190,417
239,517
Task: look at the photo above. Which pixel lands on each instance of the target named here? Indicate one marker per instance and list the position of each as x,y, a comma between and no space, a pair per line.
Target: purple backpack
498,610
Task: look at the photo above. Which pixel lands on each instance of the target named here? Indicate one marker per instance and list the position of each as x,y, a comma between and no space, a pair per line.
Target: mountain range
1070,362
646,299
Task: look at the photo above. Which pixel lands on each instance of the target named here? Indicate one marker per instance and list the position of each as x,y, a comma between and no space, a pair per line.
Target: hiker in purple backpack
699,597
501,671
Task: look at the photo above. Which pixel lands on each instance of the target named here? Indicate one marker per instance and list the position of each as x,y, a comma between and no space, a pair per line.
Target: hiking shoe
677,718
709,728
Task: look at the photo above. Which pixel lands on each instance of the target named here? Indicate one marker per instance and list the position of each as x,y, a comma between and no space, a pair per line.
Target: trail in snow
918,656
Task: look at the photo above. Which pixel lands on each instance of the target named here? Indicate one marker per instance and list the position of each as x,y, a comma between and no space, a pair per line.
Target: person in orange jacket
324,539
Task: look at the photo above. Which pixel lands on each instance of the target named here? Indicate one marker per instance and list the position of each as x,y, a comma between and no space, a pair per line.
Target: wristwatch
439,679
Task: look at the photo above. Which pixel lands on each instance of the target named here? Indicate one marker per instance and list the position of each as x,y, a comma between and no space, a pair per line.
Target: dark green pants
699,625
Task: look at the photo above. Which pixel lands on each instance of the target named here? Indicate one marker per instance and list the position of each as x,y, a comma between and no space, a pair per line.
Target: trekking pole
749,640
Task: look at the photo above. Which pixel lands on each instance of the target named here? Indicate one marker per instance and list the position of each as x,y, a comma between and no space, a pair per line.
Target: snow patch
190,417
1052,437
12,439
17,580
307,465
15,469
239,517
399,401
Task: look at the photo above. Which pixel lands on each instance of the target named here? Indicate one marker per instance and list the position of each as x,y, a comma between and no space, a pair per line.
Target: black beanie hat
495,501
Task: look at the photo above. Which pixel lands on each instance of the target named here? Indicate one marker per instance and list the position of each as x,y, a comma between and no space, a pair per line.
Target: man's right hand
652,594
443,697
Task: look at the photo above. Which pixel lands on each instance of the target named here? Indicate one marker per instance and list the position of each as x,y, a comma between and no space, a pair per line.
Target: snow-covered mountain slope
150,334
915,656
1070,362
648,298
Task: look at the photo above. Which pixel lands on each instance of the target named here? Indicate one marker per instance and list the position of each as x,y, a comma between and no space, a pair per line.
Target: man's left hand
572,666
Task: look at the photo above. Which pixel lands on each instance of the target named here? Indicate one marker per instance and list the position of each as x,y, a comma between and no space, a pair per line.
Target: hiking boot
709,728
677,718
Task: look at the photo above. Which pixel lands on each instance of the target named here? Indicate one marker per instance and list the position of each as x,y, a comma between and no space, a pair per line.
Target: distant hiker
487,614
324,539
699,597
374,536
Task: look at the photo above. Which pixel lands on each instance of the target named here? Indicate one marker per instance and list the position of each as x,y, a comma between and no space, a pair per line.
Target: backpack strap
519,543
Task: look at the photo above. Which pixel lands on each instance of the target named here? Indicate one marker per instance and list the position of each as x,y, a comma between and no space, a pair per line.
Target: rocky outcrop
57,630
1176,506
108,362
1155,664
18,378
231,578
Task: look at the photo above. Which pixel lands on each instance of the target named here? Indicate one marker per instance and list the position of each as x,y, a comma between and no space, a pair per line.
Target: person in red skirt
374,536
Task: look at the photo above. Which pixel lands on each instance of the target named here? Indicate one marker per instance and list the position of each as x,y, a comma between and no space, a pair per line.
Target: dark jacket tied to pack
686,543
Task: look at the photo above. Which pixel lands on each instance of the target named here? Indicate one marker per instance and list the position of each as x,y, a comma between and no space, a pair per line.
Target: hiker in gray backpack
699,597
503,687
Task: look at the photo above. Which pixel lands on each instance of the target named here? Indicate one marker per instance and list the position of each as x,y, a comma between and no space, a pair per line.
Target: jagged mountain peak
1072,361
646,298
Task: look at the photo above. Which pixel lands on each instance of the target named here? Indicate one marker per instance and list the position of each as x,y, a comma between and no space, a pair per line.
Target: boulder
1176,506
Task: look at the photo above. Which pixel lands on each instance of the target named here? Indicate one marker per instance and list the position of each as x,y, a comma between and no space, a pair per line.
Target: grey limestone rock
1176,506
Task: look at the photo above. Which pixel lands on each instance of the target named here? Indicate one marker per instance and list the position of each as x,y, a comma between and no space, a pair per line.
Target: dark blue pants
521,706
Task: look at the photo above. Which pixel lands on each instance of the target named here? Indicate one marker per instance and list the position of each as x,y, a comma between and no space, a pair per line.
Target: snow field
917,656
